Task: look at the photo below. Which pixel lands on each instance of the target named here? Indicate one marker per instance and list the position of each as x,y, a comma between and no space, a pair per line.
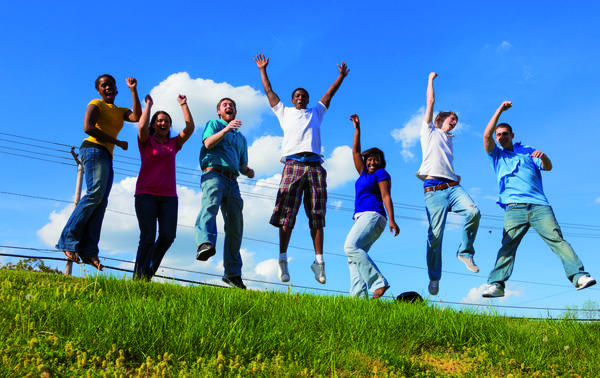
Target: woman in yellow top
103,121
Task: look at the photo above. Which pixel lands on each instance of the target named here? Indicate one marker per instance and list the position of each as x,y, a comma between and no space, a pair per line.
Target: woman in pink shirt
155,190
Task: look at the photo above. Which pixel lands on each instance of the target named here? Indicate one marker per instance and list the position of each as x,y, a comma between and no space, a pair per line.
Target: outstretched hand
343,69
123,144
355,120
506,105
261,61
148,100
182,99
537,154
131,82
432,75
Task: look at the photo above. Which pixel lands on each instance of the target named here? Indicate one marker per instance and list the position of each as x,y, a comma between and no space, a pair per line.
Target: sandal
72,256
93,261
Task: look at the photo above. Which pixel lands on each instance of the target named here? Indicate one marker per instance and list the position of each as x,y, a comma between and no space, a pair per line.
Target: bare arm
214,139
136,109
358,161
546,163
261,63
326,99
384,188
92,112
144,119
430,98
246,171
187,132
488,134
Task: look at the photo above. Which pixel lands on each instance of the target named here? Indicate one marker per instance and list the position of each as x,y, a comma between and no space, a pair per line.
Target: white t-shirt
438,154
301,128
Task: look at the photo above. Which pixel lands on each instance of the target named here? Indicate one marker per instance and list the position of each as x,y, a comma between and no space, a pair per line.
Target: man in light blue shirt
518,170
223,156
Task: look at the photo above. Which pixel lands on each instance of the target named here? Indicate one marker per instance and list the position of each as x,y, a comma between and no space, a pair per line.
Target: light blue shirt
519,175
229,153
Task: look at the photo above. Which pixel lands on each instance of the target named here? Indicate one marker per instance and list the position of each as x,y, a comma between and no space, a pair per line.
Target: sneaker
319,271
493,291
284,274
378,293
234,282
434,287
205,251
469,263
585,281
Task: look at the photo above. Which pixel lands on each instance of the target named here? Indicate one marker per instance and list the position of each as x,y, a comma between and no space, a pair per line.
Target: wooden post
69,266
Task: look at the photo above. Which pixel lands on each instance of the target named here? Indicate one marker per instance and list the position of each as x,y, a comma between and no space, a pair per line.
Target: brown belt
443,186
220,171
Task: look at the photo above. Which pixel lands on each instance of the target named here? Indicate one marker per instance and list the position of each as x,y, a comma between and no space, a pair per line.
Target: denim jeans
517,220
82,231
222,192
364,274
438,203
151,250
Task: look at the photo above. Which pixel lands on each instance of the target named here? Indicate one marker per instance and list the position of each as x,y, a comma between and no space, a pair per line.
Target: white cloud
504,46
264,155
337,204
409,134
597,200
474,295
203,95
340,167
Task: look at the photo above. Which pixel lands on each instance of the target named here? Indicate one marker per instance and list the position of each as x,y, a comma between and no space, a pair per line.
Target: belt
220,171
516,203
443,186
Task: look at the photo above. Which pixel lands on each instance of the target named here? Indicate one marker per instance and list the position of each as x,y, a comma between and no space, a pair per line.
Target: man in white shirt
443,193
301,149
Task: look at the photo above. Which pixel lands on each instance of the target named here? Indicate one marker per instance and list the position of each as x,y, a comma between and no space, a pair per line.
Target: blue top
368,195
229,153
519,175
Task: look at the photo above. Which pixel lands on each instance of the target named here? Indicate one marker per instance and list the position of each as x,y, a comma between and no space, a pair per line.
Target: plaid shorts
299,178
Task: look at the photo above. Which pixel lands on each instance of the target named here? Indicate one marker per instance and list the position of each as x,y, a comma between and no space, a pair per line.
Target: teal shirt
229,153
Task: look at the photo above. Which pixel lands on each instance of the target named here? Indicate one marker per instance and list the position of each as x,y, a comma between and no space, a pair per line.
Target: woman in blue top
372,200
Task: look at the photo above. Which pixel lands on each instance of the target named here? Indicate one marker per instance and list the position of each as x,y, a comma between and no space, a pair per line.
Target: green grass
70,326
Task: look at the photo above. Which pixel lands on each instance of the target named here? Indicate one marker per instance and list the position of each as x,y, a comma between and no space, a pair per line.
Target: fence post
69,266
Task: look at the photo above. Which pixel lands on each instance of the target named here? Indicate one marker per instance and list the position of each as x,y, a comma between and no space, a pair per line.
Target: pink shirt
157,174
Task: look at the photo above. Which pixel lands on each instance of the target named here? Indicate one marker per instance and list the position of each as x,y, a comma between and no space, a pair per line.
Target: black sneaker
205,251
234,282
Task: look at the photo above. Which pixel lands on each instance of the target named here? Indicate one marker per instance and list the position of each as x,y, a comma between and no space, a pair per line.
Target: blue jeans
438,203
149,209
364,274
220,191
517,220
82,231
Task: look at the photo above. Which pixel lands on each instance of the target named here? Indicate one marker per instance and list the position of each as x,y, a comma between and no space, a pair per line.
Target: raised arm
326,99
262,62
136,108
214,139
187,132
546,163
488,134
144,119
430,98
358,161
384,188
92,112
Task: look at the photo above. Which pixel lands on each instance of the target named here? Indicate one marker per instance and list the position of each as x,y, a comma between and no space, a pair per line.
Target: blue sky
541,57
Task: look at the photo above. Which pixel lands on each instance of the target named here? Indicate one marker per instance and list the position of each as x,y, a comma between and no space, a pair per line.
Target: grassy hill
57,325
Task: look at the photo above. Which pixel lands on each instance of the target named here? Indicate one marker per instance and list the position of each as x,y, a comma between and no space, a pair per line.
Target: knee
473,214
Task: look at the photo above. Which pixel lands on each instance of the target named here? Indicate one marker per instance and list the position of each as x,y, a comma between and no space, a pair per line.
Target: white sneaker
469,263
284,274
493,291
319,271
585,281
434,287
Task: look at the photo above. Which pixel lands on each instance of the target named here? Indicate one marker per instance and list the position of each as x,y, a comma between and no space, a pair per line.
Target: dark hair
299,89
152,127
373,151
506,126
225,99
97,82
441,117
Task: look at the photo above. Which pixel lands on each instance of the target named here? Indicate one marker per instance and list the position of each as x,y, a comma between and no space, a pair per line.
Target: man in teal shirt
224,155
518,169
